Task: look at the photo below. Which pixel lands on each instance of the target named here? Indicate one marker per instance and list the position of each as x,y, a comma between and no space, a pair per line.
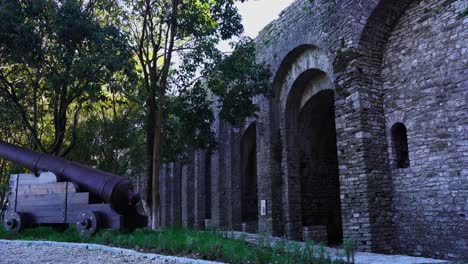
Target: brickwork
385,62
200,192
188,193
248,170
424,53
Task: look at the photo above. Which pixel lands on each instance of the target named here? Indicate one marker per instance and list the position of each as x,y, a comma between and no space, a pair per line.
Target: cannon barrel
102,186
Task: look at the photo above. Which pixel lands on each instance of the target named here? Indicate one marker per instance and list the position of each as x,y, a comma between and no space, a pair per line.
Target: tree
9,124
187,30
67,67
55,57
111,136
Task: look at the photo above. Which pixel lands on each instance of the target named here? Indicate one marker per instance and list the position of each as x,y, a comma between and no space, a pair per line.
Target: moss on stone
278,149
463,14
343,58
341,91
424,18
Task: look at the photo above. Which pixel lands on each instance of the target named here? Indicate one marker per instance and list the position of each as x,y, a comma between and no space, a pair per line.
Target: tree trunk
149,149
157,163
157,140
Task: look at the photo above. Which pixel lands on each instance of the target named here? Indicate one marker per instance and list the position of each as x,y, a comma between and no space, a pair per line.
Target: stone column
164,190
268,170
234,161
366,195
200,190
188,192
176,193
218,178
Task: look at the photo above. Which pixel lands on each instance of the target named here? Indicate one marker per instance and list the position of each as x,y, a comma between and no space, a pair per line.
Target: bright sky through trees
256,14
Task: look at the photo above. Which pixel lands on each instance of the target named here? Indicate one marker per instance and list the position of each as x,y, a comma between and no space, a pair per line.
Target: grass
209,245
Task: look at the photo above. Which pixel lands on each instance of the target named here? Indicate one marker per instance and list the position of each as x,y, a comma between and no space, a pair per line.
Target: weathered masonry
364,133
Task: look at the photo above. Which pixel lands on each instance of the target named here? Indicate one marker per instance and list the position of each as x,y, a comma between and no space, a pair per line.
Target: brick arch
386,230
423,76
377,30
306,85
298,60
379,192
360,122
304,80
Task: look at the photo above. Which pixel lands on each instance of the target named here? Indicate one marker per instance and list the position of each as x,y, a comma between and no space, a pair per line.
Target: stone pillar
216,195
164,192
188,192
268,170
234,160
366,195
218,178
200,190
175,173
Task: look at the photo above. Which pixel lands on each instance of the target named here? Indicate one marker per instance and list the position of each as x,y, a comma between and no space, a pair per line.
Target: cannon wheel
87,223
13,222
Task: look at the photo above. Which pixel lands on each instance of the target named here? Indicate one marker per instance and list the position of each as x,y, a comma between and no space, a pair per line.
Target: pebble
24,254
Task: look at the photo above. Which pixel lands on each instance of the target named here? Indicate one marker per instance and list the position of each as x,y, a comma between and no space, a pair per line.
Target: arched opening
400,145
312,157
320,187
249,178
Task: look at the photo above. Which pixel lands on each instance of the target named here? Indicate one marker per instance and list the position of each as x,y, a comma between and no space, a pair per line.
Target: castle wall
424,76
386,62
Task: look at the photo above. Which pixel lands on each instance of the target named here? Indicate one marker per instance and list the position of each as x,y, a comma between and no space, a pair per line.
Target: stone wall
424,75
386,62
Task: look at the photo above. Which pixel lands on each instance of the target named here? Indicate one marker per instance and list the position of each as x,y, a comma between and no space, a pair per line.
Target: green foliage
6,168
4,183
230,82
202,18
97,82
236,79
343,58
210,245
188,122
111,137
350,248
463,14
56,57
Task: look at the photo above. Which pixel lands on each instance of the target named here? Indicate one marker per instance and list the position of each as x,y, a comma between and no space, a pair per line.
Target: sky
256,14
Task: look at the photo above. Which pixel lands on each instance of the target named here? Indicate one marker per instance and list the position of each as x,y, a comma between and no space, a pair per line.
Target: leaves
55,57
188,125
101,82
236,80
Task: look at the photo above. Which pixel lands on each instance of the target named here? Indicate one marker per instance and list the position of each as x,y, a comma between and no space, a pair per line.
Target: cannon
59,191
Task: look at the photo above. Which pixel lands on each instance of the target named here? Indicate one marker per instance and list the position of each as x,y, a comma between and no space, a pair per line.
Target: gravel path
13,254
26,252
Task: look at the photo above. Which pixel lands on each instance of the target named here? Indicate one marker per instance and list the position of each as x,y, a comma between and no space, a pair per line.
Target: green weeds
209,245
350,247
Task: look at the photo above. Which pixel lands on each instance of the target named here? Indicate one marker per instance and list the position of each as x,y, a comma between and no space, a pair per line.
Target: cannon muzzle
102,186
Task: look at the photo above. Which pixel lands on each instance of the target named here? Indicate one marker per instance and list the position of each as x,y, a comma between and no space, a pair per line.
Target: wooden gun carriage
63,192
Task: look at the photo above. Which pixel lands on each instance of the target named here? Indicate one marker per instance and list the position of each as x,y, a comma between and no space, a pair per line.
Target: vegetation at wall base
208,245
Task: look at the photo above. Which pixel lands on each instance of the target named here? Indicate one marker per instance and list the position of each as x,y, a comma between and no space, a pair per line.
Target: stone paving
360,258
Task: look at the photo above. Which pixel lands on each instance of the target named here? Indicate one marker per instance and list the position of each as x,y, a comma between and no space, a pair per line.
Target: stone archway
305,71
311,160
318,163
249,192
